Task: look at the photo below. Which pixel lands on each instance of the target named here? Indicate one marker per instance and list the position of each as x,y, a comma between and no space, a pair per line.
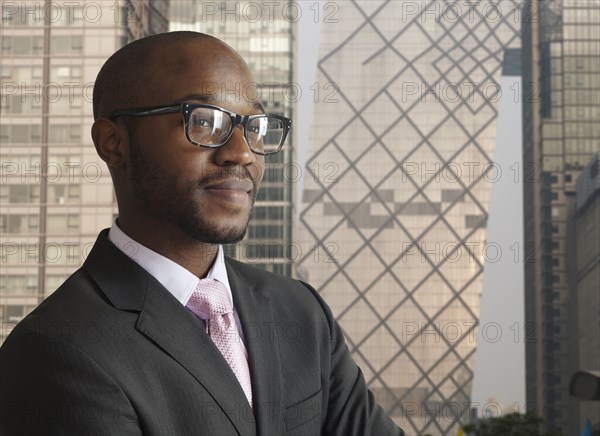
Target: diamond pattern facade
396,193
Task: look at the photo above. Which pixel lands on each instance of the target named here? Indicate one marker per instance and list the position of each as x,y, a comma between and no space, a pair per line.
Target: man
132,343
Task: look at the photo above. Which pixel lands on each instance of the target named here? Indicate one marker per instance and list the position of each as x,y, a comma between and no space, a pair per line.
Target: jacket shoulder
288,294
74,303
272,284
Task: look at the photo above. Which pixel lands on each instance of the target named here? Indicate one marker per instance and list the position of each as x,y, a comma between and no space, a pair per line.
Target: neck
172,243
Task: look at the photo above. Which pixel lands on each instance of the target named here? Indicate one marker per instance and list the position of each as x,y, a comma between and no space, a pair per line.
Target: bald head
135,71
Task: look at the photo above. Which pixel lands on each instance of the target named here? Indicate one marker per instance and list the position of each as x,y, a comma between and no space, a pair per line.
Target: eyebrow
210,99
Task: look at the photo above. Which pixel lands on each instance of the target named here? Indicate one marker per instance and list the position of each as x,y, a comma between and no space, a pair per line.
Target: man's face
206,193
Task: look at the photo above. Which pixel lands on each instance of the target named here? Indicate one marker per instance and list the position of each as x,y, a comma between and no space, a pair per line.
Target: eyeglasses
212,126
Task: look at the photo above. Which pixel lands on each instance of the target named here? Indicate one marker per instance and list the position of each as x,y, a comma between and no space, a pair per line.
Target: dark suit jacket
112,352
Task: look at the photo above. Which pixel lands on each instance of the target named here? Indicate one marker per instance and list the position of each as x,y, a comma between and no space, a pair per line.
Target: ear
111,142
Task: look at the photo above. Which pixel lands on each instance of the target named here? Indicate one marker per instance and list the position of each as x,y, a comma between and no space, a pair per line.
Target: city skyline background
561,60
500,303
392,227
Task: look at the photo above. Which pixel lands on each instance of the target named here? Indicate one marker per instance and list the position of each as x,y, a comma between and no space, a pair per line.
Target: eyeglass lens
211,127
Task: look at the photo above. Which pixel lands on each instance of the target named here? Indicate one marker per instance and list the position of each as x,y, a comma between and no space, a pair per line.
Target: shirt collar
176,279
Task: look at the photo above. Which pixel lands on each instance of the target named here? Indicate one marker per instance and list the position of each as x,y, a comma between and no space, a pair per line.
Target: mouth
234,190
233,184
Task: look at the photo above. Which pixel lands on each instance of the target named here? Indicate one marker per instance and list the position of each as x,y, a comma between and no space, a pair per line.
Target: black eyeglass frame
186,110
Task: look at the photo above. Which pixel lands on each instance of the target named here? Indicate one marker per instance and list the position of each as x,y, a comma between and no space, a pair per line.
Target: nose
235,151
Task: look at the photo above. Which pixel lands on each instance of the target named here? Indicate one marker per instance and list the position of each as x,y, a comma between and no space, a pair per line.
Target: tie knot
210,299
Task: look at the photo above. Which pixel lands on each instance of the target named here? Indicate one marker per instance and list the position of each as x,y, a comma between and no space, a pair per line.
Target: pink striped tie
210,301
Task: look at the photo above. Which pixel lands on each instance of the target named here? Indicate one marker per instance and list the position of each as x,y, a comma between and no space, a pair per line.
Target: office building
56,193
587,278
396,193
561,96
261,32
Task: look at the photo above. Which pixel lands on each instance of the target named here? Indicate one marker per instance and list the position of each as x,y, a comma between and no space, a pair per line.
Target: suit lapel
260,330
171,326
181,334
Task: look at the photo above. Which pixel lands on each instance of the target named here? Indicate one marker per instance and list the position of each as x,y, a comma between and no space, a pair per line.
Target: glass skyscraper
261,32
396,192
56,193
561,65
586,219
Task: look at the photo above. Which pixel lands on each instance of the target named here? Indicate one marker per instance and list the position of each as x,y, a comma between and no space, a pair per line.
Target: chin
210,225
231,237
210,233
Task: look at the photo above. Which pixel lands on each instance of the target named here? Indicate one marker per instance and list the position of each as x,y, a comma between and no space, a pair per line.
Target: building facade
261,32
587,278
561,113
56,193
396,193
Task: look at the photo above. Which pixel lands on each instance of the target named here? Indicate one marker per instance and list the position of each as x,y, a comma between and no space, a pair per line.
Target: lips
233,184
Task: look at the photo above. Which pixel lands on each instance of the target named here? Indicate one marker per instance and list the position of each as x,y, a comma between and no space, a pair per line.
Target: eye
201,122
258,127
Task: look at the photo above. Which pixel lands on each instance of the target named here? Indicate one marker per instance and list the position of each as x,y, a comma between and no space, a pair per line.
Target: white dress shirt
176,279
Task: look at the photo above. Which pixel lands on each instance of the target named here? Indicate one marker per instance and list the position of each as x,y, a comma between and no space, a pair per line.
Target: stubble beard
148,189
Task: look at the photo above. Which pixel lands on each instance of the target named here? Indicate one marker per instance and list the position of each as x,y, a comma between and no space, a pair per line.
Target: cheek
161,135
168,151
257,169
187,170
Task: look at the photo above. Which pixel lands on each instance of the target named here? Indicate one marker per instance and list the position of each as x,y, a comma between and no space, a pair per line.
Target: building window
4,133
34,221
36,72
64,134
65,44
73,254
38,44
14,313
74,191
20,134
73,221
18,194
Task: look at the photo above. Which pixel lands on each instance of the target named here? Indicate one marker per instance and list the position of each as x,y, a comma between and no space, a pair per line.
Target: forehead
206,68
